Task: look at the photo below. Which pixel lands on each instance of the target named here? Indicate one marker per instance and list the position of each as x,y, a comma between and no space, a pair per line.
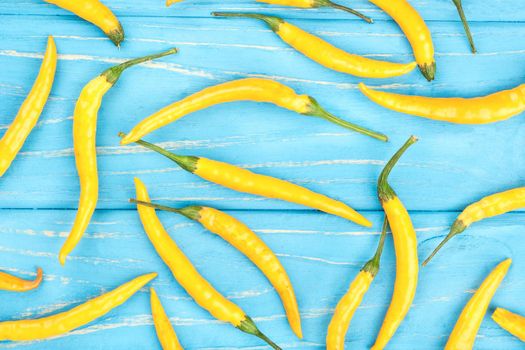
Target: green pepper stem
457,227
372,266
191,212
188,163
248,326
385,192
117,35
272,21
459,6
113,74
318,111
328,3
428,70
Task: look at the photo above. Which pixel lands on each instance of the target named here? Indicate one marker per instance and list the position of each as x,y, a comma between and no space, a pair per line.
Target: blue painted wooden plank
321,254
452,165
496,10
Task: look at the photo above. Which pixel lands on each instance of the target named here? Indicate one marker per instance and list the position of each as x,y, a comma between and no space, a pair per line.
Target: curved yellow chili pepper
250,89
84,141
479,110
246,241
405,244
167,337
29,112
308,4
459,6
415,30
242,180
97,13
187,275
61,323
511,322
493,205
325,53
464,333
15,284
345,309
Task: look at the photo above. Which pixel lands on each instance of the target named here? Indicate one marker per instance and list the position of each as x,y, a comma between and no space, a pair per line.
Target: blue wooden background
450,167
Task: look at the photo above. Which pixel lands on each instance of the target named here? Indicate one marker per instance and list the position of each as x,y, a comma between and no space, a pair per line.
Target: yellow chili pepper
345,309
29,112
251,89
167,337
97,13
187,275
242,180
325,53
308,4
415,30
511,322
493,205
405,244
464,333
480,110
84,140
459,6
246,241
61,323
15,284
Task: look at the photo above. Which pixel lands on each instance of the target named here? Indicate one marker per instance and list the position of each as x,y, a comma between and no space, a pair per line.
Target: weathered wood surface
443,10
321,253
450,167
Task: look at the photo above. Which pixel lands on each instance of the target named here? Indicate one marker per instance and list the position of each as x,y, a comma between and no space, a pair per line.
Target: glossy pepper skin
325,53
64,322
416,31
493,205
28,114
250,89
14,284
405,244
167,337
479,110
97,13
187,275
347,306
464,333
511,322
84,144
247,242
243,180
308,4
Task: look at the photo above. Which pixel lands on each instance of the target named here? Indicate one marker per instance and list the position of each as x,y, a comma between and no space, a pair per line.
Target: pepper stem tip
384,190
372,266
318,111
248,326
272,21
337,6
113,74
457,227
466,26
428,70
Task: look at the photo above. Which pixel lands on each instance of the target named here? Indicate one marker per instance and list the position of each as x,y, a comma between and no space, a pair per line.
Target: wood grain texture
460,161
321,255
496,10
450,167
